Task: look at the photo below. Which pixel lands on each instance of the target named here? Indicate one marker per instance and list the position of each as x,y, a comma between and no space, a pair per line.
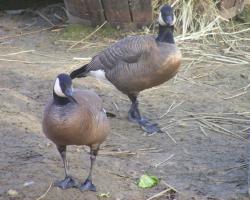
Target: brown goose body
137,63
81,123
75,117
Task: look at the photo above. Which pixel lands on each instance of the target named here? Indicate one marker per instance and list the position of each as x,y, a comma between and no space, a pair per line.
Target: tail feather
110,115
80,72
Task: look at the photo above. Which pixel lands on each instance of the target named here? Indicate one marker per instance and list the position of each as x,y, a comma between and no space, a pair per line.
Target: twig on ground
170,186
16,53
167,110
147,149
128,152
215,127
20,61
170,137
119,175
216,113
46,55
203,131
83,59
170,124
159,194
88,36
118,153
28,62
45,18
164,161
44,195
234,96
171,108
213,117
229,119
245,129
24,34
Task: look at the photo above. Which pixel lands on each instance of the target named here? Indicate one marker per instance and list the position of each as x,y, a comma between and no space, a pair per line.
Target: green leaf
147,181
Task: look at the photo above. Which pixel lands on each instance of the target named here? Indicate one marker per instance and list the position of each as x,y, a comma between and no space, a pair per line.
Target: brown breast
84,123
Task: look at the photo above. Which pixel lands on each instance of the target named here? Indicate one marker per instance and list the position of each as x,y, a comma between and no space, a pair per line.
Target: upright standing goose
136,63
75,118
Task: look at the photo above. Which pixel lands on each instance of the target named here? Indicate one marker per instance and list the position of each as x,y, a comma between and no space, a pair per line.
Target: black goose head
166,16
63,87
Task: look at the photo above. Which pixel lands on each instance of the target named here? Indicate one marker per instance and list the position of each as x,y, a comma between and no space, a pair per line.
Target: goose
75,118
136,63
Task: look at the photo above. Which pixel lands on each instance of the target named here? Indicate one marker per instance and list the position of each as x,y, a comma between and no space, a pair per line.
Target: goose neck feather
60,100
166,34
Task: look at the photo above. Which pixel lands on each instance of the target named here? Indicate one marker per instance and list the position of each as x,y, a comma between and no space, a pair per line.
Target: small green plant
79,31
147,181
76,31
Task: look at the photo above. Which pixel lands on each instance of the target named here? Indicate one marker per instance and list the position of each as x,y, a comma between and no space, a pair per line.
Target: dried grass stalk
192,15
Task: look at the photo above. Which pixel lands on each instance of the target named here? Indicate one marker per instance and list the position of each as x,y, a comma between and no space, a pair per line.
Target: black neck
165,34
60,100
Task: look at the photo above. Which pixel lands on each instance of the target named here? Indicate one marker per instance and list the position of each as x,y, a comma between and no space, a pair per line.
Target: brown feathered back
82,123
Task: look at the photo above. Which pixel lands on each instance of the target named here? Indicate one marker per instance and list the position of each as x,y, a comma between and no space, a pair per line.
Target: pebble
12,193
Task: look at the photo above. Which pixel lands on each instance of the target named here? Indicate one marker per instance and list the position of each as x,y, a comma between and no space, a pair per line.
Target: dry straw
191,15
199,20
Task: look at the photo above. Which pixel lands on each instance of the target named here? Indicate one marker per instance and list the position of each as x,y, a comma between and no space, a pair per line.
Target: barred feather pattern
136,63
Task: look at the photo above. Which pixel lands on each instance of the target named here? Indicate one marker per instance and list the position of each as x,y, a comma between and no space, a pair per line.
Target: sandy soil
204,164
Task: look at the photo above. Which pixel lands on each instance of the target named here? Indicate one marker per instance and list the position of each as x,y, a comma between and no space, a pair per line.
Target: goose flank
136,63
75,117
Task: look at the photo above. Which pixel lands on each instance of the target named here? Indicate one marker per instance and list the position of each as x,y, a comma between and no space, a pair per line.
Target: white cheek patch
160,20
58,89
99,74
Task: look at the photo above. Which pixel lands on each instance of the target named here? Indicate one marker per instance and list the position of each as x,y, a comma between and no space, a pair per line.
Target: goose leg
68,181
87,184
135,116
133,113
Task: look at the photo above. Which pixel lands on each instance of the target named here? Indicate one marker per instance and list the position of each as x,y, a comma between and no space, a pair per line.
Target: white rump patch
58,89
160,20
99,74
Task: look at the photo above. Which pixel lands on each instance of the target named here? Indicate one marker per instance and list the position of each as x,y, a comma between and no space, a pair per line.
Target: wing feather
129,50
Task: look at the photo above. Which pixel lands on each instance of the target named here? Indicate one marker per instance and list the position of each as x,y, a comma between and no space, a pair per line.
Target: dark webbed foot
144,123
87,186
135,117
68,182
149,127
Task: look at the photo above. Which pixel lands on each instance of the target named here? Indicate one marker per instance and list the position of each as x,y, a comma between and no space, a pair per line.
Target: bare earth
203,163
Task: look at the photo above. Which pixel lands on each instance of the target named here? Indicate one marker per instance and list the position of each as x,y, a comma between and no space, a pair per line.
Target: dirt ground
202,161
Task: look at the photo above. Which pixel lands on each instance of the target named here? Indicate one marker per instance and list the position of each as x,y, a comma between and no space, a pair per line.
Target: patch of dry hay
191,15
